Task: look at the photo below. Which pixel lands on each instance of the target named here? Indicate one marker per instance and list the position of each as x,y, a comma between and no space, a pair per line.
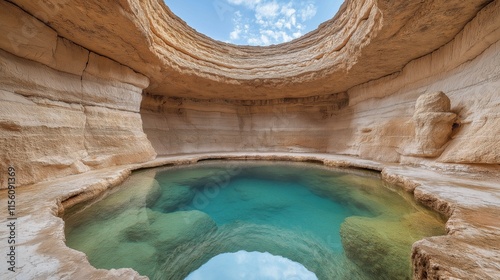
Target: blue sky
244,265
254,22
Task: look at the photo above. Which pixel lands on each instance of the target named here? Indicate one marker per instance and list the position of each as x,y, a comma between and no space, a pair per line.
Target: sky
244,265
254,22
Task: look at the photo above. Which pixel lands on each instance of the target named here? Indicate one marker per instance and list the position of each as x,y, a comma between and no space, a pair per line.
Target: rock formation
374,243
64,109
87,84
433,123
347,88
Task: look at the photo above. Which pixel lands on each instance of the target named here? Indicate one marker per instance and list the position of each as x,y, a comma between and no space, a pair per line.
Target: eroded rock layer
63,108
367,39
91,84
349,87
372,120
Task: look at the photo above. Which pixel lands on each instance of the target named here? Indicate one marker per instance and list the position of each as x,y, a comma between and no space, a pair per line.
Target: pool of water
171,222
251,266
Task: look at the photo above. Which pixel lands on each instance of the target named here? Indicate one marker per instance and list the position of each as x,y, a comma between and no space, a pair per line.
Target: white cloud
254,41
235,34
267,10
308,12
264,39
287,9
247,3
274,21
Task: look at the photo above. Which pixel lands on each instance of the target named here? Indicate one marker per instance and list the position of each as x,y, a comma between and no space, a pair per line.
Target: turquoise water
168,222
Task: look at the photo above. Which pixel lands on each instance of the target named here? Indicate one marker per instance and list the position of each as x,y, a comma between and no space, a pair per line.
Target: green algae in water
167,222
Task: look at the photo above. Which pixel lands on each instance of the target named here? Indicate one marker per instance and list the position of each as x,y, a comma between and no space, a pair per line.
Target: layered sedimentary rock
433,123
372,120
91,84
348,87
64,109
147,37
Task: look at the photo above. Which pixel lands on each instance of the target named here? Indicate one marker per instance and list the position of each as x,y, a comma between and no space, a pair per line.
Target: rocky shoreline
468,251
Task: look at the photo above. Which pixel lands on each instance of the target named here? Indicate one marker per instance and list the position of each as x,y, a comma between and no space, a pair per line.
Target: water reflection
251,265
167,222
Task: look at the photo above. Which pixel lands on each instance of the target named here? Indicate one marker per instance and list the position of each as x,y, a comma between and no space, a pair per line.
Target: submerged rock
139,255
377,244
299,247
166,231
173,197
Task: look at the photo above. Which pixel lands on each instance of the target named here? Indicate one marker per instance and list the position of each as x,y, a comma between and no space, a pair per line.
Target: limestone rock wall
466,69
366,40
187,126
63,108
78,93
88,84
373,120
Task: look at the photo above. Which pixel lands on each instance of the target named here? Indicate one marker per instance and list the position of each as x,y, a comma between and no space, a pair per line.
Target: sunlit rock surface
469,200
148,38
89,85
348,87
433,123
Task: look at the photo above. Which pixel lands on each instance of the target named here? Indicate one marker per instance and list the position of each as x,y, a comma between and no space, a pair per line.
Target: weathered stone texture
78,93
148,38
64,109
377,123
433,125
25,35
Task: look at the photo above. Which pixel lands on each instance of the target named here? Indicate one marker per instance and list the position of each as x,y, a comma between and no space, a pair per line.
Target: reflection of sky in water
251,265
184,216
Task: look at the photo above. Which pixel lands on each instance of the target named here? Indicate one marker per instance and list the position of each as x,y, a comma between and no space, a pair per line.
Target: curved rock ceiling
341,53
67,107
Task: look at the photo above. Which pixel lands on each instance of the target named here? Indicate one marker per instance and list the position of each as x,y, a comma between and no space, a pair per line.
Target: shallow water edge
293,199
471,220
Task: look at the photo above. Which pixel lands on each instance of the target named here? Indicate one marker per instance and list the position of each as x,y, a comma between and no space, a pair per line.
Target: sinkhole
252,220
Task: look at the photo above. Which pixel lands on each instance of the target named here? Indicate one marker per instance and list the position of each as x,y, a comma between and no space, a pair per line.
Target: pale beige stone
110,94
334,131
69,57
26,36
469,77
349,87
468,251
148,38
42,147
32,79
105,68
435,102
48,127
433,125
114,137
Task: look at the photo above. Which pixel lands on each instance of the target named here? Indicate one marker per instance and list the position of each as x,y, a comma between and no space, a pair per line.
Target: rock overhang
180,62
88,117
